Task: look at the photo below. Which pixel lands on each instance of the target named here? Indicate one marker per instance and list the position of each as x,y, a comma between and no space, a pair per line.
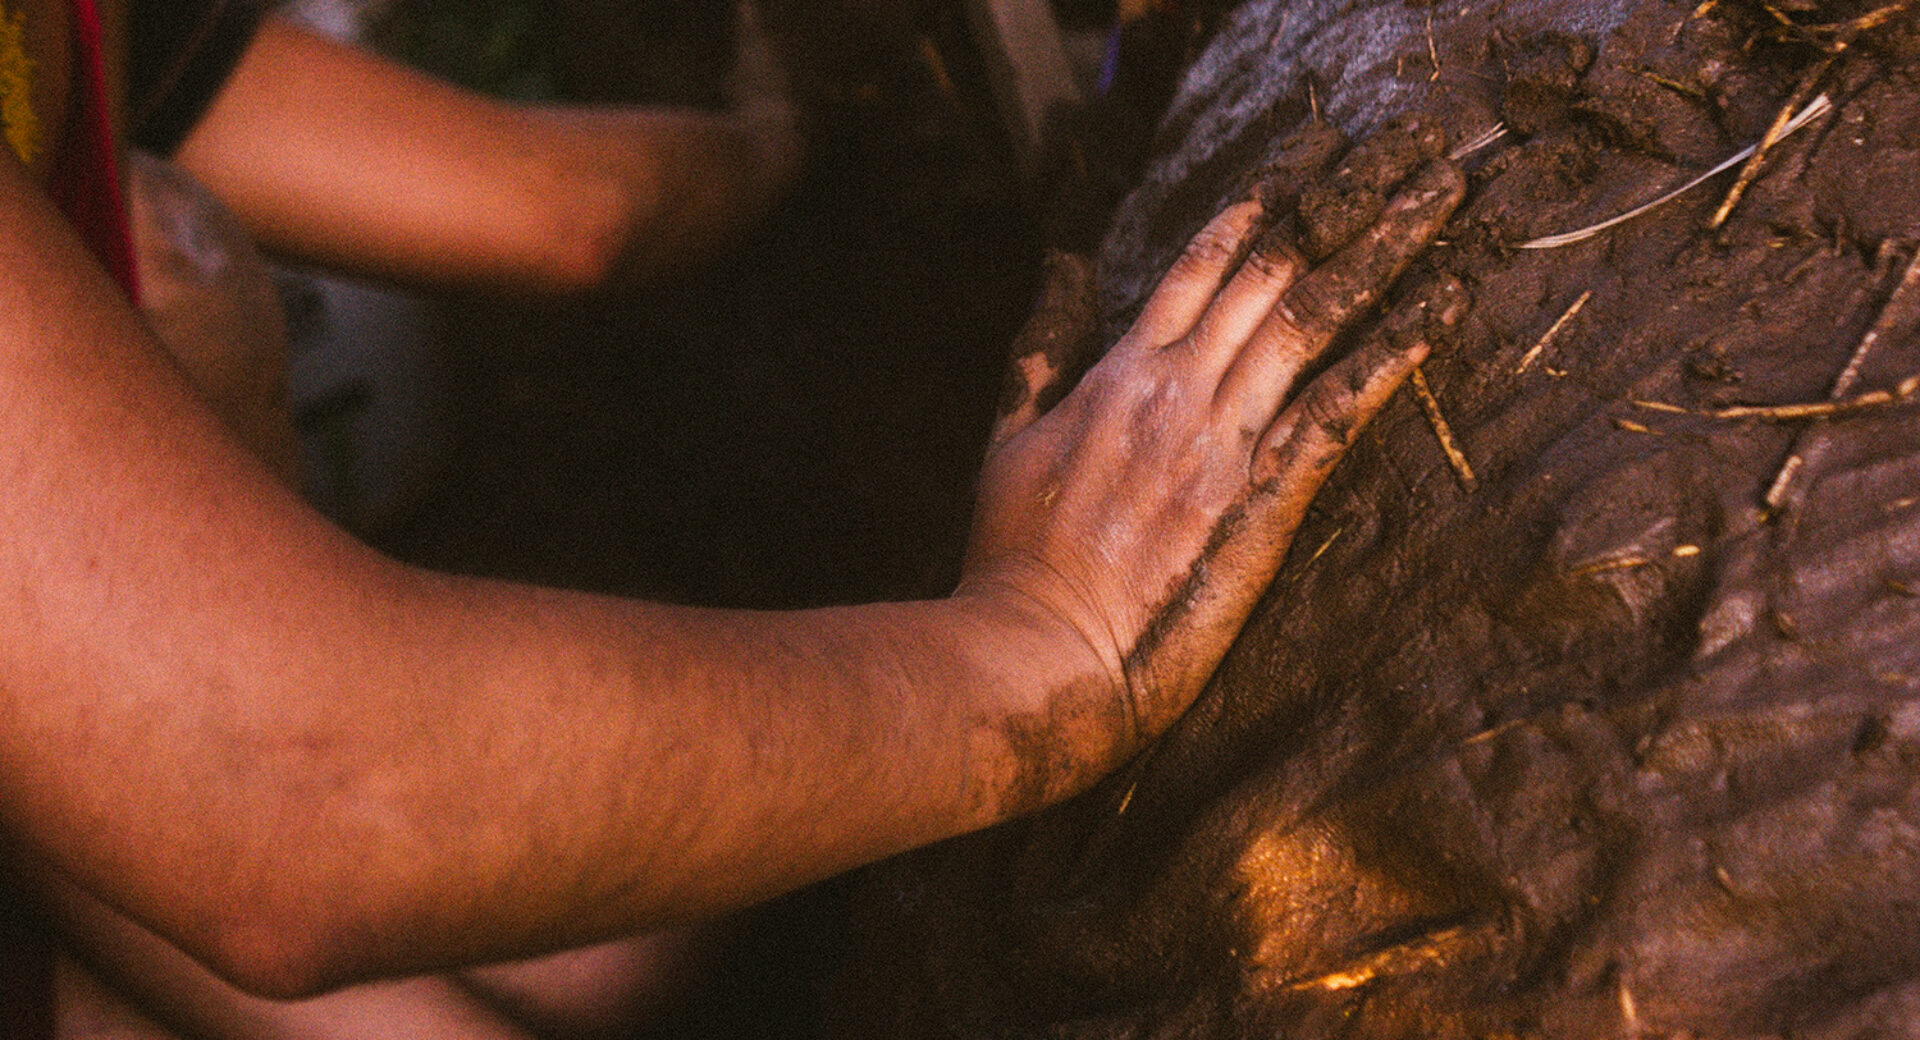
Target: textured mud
1603,746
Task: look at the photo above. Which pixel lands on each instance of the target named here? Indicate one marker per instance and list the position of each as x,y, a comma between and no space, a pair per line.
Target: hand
1146,512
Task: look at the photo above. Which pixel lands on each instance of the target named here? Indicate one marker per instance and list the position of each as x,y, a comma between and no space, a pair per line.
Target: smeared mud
1601,747
1059,341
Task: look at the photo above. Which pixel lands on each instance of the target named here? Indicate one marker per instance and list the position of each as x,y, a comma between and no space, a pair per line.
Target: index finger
1322,302
1196,277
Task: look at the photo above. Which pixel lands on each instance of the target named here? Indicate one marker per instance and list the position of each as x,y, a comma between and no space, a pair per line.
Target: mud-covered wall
1600,743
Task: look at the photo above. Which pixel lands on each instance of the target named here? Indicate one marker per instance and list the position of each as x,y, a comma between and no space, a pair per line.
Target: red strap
87,184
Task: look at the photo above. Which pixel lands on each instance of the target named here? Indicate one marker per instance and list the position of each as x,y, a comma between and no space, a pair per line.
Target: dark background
794,424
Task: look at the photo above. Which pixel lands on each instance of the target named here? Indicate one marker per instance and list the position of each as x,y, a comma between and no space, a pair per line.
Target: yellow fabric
16,89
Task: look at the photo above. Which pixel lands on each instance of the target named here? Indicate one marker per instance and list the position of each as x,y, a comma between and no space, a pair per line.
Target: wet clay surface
1602,746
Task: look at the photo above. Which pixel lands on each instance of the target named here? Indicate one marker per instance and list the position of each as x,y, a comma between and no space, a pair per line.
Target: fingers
1292,461
1191,286
1271,267
1336,209
1317,426
1308,439
1195,278
1302,158
1272,262
1241,296
1321,303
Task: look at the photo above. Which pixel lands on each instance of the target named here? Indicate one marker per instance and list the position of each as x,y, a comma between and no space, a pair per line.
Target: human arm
307,764
194,273
133,983
113,968
342,158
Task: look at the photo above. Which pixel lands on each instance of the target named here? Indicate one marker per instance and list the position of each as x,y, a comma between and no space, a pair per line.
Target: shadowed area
798,422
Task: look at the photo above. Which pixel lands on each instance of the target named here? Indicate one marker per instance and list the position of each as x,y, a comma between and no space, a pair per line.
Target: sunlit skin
307,765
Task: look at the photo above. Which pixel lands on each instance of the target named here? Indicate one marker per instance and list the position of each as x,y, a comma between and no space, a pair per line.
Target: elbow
274,958
292,937
293,934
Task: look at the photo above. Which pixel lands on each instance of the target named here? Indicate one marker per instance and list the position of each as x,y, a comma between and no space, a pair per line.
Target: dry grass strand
1442,430
1817,107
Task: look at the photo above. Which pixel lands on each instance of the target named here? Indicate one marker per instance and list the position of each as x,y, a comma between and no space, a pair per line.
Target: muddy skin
1303,158
1320,305
1601,748
1435,308
1050,752
1140,659
1275,247
1056,345
1333,212
1326,299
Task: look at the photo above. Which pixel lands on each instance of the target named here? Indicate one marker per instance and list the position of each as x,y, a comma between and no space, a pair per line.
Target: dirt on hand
1623,736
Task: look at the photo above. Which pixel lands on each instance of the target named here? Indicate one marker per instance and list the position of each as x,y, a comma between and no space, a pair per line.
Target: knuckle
1284,322
1291,466
1274,261
1284,466
1318,306
1214,248
1209,251
1327,414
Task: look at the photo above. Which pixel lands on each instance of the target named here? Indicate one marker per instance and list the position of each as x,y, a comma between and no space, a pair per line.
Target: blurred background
795,423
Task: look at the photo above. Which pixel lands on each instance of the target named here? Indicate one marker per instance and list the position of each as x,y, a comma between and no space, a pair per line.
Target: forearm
491,771
308,764
595,767
314,786
340,158
692,181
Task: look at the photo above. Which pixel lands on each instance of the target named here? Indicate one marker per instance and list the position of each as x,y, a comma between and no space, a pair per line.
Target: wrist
1058,714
